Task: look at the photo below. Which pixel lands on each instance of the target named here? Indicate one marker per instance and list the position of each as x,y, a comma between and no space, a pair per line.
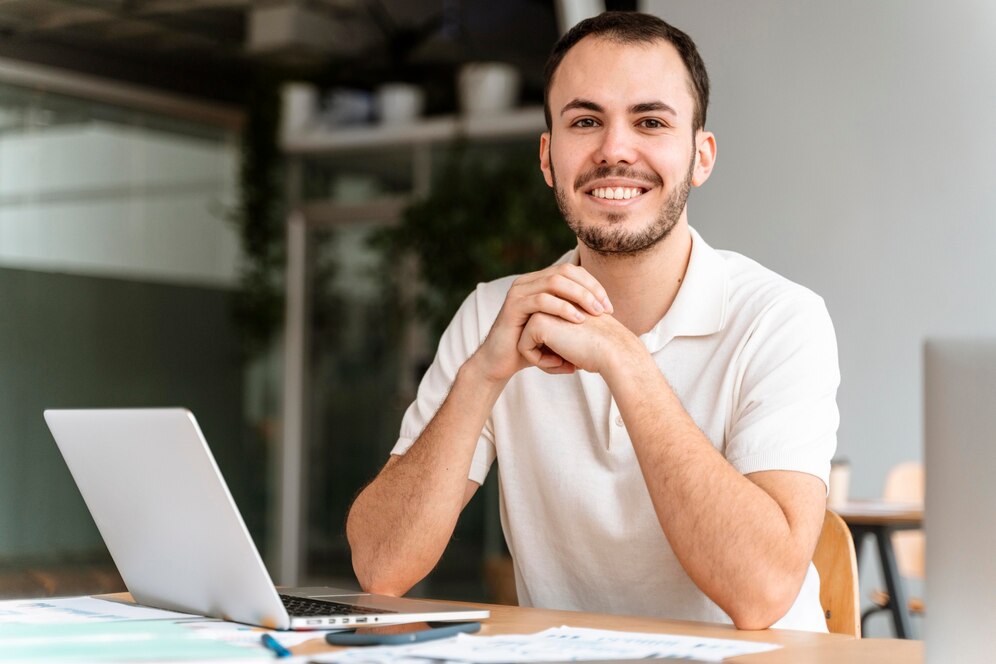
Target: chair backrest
905,484
837,565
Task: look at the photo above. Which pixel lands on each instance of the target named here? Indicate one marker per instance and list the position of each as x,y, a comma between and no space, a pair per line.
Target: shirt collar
699,309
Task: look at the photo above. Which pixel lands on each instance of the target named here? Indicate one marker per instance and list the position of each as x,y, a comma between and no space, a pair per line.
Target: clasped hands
558,319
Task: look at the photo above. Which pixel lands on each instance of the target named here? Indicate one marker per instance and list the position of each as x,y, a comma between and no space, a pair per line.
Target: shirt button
619,420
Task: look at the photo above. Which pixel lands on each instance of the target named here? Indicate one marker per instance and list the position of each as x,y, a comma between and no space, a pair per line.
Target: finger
565,286
530,351
558,296
565,368
584,278
571,282
550,360
531,345
545,303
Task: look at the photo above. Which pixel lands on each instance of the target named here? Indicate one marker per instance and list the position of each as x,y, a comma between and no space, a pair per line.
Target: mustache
625,172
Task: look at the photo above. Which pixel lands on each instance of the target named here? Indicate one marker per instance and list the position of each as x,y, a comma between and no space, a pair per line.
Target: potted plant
488,214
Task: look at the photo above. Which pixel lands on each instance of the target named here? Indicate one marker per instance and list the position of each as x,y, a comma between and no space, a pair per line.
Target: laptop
177,538
960,455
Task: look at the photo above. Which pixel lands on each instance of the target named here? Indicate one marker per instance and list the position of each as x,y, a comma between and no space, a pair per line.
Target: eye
585,123
652,123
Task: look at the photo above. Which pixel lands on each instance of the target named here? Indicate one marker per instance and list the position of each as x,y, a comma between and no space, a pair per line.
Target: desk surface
797,646
880,513
806,647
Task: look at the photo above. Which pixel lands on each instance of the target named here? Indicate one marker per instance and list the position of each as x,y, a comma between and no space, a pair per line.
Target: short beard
614,241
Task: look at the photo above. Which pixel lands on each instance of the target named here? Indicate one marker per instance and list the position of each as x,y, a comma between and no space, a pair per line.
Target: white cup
488,88
840,480
399,103
299,107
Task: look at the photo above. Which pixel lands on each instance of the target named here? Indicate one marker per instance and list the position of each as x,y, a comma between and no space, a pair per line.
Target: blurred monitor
960,507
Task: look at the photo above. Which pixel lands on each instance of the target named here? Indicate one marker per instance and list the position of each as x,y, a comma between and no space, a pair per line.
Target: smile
616,193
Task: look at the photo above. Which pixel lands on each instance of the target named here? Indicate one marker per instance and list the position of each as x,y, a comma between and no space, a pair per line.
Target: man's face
622,155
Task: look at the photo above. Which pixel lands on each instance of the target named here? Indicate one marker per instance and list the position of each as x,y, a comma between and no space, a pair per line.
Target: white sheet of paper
232,632
50,610
560,643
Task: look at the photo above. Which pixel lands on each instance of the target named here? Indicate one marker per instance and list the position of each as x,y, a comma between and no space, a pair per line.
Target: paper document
556,644
84,629
52,610
117,641
231,632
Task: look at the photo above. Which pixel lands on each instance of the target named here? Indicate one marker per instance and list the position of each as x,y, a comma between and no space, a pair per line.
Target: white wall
857,155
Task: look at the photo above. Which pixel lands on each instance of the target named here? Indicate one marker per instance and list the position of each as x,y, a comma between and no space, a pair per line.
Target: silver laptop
960,437
177,538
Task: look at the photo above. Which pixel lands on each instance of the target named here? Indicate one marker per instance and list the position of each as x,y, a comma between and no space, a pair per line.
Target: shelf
329,214
519,123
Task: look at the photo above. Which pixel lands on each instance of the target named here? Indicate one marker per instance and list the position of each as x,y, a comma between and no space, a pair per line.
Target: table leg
858,535
894,584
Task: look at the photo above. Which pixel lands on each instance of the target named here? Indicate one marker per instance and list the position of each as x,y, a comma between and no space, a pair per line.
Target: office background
855,157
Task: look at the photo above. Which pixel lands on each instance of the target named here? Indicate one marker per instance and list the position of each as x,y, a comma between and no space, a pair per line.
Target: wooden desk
798,647
881,519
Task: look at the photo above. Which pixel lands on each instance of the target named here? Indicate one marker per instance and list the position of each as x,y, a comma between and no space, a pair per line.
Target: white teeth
616,193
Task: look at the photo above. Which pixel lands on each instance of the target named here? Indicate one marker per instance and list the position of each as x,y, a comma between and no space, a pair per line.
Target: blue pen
274,645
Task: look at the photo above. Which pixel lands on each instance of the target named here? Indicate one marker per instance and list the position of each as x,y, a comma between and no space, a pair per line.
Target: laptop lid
960,455
167,517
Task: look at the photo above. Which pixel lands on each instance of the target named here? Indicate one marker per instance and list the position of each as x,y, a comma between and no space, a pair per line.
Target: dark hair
633,28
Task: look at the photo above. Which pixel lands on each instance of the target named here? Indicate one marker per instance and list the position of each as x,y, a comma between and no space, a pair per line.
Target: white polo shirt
753,359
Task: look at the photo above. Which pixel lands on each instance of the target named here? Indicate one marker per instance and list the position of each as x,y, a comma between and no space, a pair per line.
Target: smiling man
663,413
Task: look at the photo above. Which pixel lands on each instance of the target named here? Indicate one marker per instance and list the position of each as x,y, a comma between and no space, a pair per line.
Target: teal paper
115,641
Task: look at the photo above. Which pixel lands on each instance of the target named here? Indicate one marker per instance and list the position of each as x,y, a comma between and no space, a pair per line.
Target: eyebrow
648,106
584,104
643,107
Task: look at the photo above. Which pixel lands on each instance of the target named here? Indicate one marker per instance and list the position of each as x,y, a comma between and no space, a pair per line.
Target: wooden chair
837,565
499,578
904,484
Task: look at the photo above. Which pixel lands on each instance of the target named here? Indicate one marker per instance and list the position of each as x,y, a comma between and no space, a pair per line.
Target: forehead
616,74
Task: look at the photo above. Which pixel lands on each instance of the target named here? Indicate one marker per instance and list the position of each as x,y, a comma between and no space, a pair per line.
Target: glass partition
118,262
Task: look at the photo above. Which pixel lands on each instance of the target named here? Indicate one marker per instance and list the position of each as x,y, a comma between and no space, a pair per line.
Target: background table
881,519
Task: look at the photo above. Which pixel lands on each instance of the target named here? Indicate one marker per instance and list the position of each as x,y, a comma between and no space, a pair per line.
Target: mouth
616,193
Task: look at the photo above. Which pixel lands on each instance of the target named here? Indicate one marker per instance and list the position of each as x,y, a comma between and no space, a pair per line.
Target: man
663,414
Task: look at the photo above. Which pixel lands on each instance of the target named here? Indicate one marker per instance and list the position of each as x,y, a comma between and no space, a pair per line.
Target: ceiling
210,48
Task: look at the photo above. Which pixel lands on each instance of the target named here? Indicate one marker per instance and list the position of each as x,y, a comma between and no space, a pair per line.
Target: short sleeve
785,413
460,340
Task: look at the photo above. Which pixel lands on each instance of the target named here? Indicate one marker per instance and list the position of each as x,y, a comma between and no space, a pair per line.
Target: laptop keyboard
304,607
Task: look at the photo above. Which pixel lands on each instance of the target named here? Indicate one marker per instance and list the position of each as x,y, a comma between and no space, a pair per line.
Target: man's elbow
375,572
764,609
375,578
382,579
380,584
364,567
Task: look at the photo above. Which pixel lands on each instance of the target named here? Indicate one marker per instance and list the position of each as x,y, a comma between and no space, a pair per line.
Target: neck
643,287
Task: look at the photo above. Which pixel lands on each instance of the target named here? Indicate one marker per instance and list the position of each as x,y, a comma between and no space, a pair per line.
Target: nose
617,145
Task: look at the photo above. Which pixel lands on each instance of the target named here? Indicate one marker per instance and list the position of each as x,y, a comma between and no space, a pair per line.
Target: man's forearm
731,536
399,525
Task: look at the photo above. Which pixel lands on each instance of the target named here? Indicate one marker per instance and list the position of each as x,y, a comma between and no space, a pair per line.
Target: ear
705,157
544,156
